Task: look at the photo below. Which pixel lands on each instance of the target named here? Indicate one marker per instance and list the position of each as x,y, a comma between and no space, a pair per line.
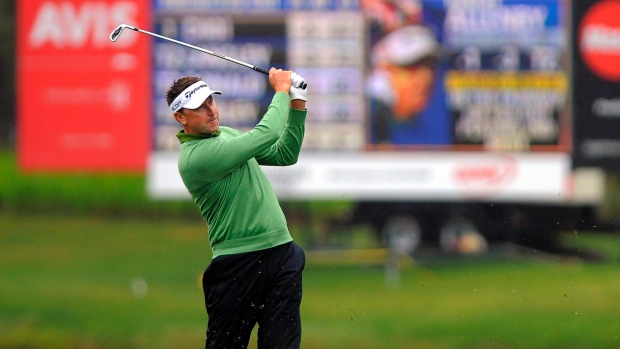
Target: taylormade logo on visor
192,97
189,94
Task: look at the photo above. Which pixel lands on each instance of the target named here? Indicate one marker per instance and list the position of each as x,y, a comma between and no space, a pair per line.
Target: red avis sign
83,101
599,39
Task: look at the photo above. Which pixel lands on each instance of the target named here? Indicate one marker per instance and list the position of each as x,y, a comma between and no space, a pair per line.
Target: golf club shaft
118,30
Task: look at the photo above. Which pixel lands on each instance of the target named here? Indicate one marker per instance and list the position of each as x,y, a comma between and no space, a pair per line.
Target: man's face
202,120
412,87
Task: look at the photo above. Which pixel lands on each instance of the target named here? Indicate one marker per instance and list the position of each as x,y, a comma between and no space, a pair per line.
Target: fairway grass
99,283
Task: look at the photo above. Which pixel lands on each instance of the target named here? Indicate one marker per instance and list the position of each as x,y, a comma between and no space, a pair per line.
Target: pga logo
71,24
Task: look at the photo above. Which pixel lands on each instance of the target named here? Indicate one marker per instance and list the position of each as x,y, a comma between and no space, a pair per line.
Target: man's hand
280,80
299,88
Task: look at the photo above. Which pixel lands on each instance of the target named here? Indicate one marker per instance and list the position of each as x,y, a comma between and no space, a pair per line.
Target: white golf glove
299,88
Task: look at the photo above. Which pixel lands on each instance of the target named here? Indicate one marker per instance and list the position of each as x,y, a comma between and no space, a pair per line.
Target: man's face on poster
412,87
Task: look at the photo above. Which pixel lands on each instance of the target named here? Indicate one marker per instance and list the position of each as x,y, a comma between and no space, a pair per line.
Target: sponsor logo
176,105
599,39
486,174
189,94
81,24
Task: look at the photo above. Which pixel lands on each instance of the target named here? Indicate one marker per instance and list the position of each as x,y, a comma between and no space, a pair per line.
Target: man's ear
180,117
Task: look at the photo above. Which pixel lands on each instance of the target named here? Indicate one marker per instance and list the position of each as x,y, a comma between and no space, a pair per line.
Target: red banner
83,101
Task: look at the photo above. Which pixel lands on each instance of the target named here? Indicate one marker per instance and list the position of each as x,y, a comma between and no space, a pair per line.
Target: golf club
117,32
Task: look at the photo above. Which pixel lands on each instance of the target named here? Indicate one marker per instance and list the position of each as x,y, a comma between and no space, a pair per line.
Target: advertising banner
390,84
83,101
385,176
596,79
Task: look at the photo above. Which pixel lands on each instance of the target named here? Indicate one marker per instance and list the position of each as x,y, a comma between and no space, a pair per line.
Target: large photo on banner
482,75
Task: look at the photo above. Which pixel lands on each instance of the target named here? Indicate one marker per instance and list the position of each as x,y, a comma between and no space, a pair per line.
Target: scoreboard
325,47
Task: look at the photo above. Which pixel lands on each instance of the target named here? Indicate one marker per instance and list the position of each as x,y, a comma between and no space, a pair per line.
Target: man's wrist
298,104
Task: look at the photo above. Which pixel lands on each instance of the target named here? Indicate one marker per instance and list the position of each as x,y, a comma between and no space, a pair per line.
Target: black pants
261,287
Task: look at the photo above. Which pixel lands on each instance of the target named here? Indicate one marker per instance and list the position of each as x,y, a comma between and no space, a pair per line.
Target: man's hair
178,86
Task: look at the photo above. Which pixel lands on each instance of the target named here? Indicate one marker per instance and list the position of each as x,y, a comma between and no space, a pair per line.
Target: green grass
79,193
70,279
66,282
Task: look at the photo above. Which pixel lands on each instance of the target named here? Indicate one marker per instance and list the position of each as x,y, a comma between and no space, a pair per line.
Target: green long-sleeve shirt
223,175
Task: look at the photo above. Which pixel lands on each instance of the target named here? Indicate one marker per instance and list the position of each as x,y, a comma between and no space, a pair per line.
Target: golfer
256,272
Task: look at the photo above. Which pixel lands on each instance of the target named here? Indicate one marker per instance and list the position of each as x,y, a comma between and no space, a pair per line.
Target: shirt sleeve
286,150
215,159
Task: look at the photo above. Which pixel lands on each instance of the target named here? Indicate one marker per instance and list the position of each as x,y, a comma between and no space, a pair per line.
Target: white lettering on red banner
68,25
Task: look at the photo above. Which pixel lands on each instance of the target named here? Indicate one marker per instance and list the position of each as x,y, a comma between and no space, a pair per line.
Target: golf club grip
260,70
266,72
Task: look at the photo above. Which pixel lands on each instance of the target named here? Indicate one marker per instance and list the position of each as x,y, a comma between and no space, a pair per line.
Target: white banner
420,176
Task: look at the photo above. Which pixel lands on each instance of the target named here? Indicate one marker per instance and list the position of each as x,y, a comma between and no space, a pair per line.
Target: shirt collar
184,137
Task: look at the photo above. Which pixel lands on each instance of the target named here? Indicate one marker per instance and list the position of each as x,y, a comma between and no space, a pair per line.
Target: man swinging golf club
256,272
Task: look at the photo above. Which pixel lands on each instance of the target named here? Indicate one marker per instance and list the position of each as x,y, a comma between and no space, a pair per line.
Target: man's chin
209,130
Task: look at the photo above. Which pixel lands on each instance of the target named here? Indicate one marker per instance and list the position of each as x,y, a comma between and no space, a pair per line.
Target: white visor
406,46
193,96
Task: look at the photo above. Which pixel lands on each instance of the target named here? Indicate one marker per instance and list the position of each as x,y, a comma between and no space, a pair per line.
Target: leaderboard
324,46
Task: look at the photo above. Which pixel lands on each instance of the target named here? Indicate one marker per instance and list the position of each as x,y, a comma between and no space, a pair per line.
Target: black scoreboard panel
327,48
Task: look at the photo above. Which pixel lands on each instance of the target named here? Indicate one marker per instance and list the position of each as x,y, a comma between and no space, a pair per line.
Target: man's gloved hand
299,88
